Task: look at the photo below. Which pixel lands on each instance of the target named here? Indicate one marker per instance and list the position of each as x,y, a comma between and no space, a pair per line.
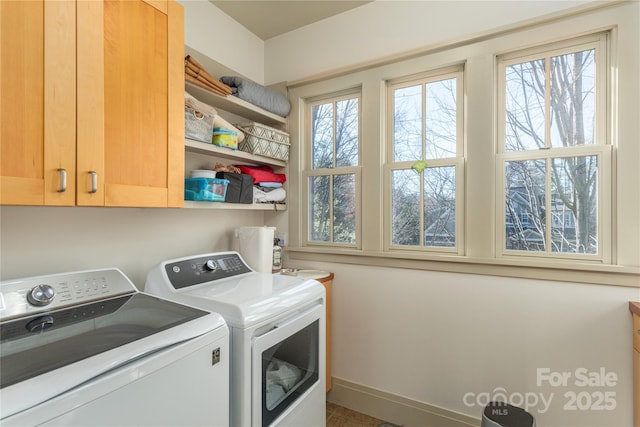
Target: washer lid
49,353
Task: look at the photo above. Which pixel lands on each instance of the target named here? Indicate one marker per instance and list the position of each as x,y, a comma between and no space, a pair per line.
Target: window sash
457,72
331,172
331,99
599,43
604,190
459,247
601,148
457,161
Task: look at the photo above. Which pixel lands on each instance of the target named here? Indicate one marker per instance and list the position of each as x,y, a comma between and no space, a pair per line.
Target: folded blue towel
257,94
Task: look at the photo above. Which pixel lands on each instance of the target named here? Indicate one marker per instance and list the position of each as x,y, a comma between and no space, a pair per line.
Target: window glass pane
574,205
407,123
405,220
573,100
344,208
347,132
322,136
525,106
440,119
319,208
440,206
335,145
525,205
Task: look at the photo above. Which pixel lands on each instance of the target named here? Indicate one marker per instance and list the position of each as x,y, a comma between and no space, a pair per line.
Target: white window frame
308,171
458,162
602,148
483,186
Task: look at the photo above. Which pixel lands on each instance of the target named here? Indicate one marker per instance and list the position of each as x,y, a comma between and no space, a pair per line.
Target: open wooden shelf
238,107
235,105
234,155
235,206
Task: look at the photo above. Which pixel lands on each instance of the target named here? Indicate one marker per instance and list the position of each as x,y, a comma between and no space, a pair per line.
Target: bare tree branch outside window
551,203
332,195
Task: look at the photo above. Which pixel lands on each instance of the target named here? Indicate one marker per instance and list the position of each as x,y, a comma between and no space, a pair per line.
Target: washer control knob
210,265
40,324
41,295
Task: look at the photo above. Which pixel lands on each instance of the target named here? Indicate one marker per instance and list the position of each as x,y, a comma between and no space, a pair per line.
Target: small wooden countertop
634,307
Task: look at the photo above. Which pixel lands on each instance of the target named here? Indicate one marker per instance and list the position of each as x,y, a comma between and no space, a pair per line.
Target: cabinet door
37,79
130,103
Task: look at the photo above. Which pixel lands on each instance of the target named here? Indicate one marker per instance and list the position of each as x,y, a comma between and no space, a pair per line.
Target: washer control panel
26,296
205,268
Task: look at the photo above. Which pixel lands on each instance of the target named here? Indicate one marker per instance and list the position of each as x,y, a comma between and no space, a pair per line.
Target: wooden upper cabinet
37,106
130,144
93,90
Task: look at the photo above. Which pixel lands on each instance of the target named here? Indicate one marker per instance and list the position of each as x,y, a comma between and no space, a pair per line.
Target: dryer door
287,362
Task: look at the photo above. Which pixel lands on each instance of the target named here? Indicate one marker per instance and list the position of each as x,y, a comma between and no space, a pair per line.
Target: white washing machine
88,349
277,328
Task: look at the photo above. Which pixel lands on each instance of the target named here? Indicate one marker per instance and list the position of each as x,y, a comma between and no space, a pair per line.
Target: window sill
591,273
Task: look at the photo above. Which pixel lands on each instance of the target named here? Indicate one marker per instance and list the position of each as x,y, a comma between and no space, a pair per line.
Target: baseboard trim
393,408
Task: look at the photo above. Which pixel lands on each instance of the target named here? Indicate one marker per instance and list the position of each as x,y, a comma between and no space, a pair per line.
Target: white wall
436,337
211,32
45,240
389,27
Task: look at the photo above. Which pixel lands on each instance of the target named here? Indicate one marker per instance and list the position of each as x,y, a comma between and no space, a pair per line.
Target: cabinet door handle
63,180
94,182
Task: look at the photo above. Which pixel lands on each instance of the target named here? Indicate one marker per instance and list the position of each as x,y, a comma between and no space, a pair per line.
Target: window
513,154
426,162
333,172
554,154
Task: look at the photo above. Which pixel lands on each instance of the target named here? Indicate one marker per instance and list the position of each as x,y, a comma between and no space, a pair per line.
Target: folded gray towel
257,94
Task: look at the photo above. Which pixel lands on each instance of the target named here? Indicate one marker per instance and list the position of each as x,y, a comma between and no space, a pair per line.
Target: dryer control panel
205,268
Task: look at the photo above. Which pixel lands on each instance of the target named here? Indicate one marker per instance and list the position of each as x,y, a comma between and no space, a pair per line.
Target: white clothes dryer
277,328
88,349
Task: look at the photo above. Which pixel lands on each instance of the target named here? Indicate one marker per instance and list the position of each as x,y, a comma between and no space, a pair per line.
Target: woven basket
197,125
264,141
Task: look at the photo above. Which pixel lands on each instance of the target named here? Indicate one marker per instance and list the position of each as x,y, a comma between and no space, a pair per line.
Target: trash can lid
500,414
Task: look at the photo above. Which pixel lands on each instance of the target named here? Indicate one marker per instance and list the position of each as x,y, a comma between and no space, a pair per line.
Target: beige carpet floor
337,416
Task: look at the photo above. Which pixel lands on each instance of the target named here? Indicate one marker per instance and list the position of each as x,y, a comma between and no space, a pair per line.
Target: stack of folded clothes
196,74
267,185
